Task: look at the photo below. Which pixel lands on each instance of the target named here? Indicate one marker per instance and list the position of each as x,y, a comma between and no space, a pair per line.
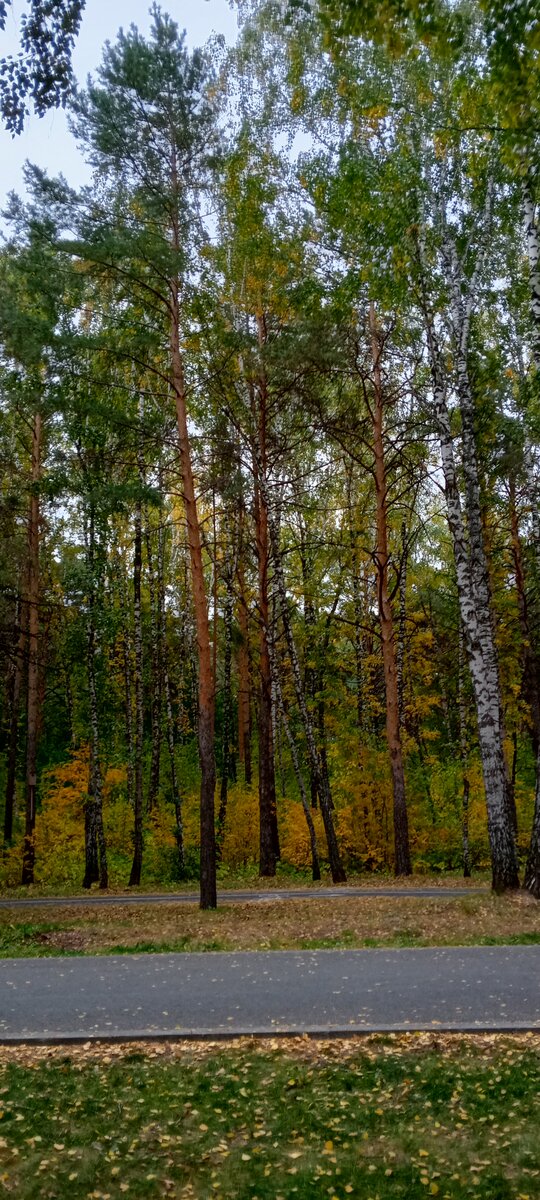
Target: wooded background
269,445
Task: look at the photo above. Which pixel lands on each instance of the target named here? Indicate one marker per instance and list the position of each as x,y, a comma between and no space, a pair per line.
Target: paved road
216,995
396,893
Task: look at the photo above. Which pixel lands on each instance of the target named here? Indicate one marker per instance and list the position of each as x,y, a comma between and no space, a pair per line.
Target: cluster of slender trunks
477,636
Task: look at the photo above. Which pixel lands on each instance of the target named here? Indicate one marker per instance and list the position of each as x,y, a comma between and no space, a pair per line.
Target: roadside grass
342,923
406,1116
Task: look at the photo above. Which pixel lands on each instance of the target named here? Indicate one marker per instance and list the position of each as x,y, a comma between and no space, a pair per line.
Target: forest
270,458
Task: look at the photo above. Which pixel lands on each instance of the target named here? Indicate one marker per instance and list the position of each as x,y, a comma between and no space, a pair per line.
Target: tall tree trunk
478,560
315,864
532,238
33,656
469,558
402,635
175,788
402,854
227,703
464,751
244,686
136,867
95,846
530,208
478,634
532,869
531,672
128,699
357,610
323,784
15,688
156,659
206,690
310,671
268,835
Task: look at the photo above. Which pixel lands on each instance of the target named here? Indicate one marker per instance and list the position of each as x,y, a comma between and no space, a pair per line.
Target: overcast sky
47,141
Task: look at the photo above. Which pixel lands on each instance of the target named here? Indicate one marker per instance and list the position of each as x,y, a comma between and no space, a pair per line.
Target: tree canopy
40,74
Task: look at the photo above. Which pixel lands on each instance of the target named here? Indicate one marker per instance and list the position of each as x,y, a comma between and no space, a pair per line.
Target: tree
41,72
147,124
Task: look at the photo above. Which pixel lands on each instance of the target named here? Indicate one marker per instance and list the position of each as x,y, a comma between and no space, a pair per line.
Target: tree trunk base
505,883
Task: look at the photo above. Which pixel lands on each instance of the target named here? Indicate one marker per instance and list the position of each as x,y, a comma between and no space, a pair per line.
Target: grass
397,1117
346,923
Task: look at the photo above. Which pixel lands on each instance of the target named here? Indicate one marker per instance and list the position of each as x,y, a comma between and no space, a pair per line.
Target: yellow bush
241,838
294,835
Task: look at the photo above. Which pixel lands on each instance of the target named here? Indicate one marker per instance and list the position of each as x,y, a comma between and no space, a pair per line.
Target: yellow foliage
241,839
294,835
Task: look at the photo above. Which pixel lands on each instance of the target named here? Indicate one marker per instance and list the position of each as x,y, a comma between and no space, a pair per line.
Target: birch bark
473,597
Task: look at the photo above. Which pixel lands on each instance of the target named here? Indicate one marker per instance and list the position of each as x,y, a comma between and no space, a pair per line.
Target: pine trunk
268,849
226,707
128,700
156,658
402,635
316,767
357,613
315,864
244,685
15,688
177,799
206,689
136,867
33,657
95,846
310,672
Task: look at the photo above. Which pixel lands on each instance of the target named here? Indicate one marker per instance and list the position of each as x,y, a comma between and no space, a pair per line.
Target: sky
47,141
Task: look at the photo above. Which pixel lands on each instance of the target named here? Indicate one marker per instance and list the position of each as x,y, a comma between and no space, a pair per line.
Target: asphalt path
323,893
281,992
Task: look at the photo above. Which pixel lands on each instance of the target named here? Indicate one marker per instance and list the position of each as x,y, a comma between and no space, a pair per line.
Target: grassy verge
407,1116
290,924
